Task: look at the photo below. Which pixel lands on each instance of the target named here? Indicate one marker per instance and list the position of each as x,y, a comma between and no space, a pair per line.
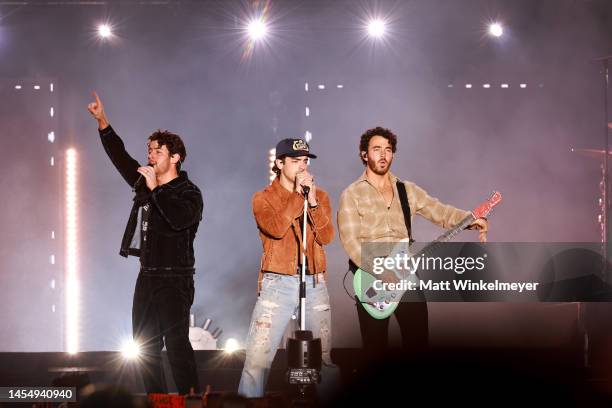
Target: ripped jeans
277,302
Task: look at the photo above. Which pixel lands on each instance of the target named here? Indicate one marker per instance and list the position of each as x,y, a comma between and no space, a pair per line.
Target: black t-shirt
145,212
139,240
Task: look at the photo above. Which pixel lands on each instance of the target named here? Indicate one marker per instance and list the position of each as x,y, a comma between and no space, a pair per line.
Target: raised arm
113,145
96,109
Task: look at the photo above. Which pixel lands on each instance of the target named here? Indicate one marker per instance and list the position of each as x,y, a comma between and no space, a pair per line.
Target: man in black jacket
163,223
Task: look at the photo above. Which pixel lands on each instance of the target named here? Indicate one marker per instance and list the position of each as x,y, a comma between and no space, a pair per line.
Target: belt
168,270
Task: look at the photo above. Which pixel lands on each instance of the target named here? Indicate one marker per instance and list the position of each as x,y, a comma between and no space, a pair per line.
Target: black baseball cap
293,148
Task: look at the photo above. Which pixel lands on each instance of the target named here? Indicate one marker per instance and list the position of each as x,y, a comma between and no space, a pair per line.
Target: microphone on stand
304,351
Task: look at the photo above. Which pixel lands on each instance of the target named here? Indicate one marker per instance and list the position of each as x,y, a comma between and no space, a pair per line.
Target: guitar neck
448,235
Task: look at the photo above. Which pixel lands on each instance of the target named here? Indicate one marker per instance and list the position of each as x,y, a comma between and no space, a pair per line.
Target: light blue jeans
277,302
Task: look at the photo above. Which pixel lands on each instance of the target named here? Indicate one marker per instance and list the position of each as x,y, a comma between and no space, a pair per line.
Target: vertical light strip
71,273
271,159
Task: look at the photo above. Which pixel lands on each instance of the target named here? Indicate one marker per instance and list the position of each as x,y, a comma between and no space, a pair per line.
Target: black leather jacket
174,216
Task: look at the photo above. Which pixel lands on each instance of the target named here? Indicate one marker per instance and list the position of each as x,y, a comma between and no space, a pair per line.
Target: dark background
181,65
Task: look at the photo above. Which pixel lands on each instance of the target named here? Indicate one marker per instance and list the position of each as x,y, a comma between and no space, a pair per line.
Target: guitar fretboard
447,236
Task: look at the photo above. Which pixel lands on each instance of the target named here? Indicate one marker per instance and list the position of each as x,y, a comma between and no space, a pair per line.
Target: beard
379,168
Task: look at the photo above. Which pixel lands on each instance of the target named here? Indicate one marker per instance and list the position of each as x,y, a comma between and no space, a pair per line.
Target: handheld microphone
305,190
140,178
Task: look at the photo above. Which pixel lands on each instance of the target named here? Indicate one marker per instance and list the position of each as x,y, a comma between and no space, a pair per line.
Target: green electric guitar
382,304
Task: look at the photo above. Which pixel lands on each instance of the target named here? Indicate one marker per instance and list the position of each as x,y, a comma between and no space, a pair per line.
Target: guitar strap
403,197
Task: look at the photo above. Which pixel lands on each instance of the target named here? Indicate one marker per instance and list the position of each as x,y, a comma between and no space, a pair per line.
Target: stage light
130,350
105,31
307,136
376,28
231,345
307,111
468,86
71,261
523,86
257,29
271,158
505,86
487,86
496,29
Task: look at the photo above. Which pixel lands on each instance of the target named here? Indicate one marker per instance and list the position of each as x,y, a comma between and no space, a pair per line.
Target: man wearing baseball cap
279,212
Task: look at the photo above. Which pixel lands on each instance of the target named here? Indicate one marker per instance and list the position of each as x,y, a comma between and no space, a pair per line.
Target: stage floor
547,377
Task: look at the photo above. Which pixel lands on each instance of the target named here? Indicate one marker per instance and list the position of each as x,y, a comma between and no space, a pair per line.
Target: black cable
344,285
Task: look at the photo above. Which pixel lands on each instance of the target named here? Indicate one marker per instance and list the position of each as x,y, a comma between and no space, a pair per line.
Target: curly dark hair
377,131
275,169
173,143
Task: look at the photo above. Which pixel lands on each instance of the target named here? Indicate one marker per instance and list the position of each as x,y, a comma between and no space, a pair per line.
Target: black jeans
412,318
160,315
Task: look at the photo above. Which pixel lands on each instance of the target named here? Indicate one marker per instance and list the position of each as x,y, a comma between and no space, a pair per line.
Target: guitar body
381,304
378,309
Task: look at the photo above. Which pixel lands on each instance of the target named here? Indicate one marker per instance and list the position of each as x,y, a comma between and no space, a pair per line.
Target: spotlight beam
376,28
130,350
257,29
496,30
231,345
105,31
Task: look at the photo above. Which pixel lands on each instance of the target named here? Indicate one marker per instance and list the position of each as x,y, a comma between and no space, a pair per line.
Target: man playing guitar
370,211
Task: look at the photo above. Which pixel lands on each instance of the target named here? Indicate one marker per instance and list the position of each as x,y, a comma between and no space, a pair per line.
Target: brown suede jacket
277,213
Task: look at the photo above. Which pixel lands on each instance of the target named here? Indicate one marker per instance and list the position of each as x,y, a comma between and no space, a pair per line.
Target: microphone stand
304,353
306,190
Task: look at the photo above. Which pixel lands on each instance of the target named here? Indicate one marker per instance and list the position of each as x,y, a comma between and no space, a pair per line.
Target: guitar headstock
485,208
